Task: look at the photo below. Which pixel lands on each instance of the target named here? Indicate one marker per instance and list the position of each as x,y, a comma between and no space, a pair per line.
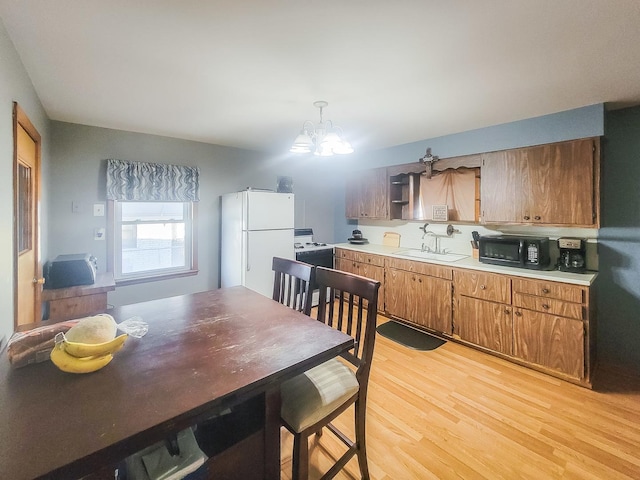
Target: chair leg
360,412
300,468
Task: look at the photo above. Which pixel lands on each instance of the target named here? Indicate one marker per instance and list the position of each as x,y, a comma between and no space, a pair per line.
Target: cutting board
391,239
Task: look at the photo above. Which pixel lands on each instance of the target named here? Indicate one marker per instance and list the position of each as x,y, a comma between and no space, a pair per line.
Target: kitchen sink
441,257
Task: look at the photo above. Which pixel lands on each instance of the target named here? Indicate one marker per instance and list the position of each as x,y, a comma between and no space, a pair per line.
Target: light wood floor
456,413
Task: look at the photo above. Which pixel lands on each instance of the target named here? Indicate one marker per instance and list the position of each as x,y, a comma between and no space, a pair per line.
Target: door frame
20,119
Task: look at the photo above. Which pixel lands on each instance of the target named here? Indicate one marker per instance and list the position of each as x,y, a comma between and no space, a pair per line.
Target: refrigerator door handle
247,253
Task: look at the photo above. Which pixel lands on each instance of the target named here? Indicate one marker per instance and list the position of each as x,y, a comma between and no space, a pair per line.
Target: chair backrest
293,283
349,303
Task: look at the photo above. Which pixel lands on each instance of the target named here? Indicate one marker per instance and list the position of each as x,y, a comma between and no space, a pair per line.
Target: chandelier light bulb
323,139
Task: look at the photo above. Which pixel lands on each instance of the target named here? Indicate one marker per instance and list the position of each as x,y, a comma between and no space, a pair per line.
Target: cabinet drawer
487,286
549,305
561,291
422,268
366,258
345,254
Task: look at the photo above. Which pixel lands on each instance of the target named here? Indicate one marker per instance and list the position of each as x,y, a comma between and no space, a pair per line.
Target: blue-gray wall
619,241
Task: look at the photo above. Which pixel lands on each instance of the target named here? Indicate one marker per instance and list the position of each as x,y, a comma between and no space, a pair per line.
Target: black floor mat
409,337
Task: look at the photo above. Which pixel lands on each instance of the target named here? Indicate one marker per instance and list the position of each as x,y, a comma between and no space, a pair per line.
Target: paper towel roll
440,229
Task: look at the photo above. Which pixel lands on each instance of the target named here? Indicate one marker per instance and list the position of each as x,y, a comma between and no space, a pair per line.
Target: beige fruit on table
96,329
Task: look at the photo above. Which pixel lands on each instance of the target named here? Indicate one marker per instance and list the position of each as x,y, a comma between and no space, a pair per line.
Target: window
153,239
152,227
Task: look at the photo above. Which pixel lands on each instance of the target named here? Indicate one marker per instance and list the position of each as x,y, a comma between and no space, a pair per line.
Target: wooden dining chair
315,398
293,284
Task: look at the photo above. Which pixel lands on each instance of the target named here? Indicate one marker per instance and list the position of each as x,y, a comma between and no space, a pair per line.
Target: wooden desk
79,301
203,352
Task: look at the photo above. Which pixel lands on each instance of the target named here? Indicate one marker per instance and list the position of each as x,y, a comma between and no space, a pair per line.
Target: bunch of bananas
78,357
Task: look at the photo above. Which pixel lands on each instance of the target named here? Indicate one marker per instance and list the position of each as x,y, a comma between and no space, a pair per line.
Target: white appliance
256,226
313,253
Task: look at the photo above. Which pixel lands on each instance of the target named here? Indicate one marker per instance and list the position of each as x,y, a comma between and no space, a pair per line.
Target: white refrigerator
256,226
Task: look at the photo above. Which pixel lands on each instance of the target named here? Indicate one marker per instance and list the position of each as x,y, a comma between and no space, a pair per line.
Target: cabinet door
560,183
420,299
346,265
366,194
429,302
396,285
352,197
376,273
373,193
483,323
501,186
551,341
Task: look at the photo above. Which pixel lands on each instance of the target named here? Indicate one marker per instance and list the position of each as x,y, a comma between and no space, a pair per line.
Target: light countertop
584,279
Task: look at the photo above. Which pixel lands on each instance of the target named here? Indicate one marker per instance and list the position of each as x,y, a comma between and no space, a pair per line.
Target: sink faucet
425,248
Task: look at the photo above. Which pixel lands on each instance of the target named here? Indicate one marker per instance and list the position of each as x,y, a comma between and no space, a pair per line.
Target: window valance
148,182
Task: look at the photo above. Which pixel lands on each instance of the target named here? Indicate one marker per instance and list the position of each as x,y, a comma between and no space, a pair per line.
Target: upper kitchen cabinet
554,184
366,194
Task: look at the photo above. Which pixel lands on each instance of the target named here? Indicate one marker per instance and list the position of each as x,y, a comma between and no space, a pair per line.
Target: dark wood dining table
203,352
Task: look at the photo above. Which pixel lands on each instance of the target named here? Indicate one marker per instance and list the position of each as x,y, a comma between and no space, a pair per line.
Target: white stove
313,253
304,244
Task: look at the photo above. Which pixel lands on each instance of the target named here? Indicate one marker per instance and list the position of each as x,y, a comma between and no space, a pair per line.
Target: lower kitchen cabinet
549,340
365,265
542,324
419,299
483,323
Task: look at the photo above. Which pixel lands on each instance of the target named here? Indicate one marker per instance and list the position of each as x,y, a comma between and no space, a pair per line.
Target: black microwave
515,251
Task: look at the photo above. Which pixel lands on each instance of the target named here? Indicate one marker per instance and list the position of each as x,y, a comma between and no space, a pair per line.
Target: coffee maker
572,255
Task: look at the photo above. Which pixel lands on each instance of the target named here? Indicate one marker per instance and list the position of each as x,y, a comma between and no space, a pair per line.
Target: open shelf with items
404,196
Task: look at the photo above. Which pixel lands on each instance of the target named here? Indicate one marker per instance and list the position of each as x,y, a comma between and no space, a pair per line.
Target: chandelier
324,139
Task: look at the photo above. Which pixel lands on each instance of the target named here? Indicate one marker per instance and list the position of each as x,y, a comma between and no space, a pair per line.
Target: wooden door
28,277
373,193
374,272
396,285
352,196
548,340
429,302
501,186
483,323
561,183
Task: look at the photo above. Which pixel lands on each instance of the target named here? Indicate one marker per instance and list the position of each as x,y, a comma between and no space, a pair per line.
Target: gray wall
619,278
15,86
78,162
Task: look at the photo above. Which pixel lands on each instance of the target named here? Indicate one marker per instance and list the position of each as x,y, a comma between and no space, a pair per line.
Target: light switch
98,209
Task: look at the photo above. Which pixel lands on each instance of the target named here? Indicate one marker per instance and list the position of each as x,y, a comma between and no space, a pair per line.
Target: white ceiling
245,73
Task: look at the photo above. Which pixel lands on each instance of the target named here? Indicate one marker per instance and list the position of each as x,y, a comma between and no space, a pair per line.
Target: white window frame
114,254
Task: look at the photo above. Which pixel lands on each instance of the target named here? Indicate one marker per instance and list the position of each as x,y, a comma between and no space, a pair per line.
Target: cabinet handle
537,217
419,280
545,306
545,290
507,311
518,314
527,217
482,287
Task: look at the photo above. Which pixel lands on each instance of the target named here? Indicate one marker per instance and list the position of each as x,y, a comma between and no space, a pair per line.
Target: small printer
70,271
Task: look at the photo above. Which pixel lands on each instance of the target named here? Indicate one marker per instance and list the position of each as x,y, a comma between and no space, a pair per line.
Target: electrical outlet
98,209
